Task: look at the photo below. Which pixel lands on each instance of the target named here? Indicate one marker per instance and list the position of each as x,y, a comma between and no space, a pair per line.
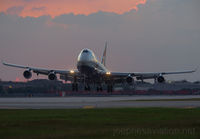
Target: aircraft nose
85,51
84,56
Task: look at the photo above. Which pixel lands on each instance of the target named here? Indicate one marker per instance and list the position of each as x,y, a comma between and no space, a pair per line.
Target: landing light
71,71
108,73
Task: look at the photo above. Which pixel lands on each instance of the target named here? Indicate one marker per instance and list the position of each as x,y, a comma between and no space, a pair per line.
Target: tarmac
186,101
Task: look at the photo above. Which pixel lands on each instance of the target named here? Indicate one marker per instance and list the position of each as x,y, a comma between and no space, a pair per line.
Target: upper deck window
85,51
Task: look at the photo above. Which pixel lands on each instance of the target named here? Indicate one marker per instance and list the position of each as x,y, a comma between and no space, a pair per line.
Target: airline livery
92,72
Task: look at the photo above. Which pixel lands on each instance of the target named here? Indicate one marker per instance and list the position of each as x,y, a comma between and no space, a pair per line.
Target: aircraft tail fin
103,60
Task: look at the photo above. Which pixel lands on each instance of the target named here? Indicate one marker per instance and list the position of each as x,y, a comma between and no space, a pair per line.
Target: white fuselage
88,64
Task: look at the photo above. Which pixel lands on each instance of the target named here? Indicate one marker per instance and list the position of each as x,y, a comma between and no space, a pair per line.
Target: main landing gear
87,88
109,88
99,88
74,86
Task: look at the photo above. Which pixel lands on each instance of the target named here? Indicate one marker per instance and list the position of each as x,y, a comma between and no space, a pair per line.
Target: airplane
91,71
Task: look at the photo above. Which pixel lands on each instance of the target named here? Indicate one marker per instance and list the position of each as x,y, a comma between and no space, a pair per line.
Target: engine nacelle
52,76
27,74
129,79
161,79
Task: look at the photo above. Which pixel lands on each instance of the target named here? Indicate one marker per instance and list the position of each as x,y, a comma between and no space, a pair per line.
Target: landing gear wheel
99,88
109,88
74,87
87,88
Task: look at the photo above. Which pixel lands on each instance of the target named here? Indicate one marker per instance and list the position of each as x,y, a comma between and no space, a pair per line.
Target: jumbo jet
92,72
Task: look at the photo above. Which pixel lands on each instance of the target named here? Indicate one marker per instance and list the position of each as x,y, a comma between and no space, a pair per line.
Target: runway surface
100,102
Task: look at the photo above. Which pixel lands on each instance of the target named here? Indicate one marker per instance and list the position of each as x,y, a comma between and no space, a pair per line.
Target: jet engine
27,74
52,76
161,79
129,79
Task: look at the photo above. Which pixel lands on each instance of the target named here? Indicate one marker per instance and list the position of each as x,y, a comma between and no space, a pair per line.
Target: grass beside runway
101,123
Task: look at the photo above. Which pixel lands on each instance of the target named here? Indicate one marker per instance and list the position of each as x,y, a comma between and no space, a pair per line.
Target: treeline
32,87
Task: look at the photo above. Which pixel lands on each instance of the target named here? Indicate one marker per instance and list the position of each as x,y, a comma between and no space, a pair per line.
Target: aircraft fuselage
87,64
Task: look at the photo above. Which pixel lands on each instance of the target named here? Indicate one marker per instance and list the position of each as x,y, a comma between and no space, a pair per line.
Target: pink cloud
56,8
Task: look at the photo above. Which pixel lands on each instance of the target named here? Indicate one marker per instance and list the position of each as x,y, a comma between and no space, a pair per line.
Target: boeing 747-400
91,71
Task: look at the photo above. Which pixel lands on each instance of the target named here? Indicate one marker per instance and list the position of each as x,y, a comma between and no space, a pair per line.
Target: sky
142,35
36,8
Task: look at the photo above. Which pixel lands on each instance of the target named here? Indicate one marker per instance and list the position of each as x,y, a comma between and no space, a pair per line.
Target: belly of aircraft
87,69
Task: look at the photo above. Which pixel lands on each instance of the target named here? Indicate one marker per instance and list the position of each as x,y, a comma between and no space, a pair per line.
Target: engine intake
129,79
52,76
27,74
161,79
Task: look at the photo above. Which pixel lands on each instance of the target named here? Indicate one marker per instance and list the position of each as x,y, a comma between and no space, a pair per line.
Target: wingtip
2,62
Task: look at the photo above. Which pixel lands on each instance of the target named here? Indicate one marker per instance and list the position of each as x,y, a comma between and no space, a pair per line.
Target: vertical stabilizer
103,60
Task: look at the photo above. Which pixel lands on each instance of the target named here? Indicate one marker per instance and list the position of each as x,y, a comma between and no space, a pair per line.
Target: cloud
96,20
56,8
38,9
15,10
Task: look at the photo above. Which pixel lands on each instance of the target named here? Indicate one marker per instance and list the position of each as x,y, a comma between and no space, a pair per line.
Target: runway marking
89,107
190,107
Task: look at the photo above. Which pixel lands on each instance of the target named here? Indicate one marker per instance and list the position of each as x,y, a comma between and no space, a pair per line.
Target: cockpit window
85,51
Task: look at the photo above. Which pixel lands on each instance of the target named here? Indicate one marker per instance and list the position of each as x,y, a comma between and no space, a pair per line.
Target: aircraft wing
146,75
69,74
63,73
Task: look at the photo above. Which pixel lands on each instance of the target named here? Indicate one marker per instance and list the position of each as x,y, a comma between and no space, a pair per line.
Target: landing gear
74,86
99,88
87,88
109,88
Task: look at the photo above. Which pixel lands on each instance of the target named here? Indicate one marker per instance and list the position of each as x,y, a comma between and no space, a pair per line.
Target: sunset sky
142,35
36,8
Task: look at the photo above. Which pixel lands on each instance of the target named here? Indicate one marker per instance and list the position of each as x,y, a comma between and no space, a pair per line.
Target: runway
187,101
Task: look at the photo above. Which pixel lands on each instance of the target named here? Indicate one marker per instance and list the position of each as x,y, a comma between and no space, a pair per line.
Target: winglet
2,62
103,60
